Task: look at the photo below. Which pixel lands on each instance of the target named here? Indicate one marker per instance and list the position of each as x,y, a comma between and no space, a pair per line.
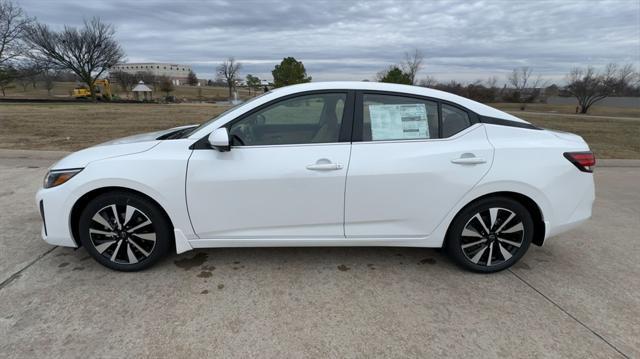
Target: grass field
63,90
72,126
595,110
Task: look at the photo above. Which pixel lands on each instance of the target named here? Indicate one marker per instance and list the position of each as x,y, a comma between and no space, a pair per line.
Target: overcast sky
353,40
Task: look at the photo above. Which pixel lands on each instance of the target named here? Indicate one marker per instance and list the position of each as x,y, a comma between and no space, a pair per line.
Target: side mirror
219,139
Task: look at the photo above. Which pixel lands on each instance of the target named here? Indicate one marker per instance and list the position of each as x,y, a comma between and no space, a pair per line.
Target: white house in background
176,72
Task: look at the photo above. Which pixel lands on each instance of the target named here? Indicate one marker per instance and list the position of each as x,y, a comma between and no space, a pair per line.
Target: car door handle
469,160
324,167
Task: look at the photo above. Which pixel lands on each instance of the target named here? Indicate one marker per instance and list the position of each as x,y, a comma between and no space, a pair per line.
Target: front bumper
55,207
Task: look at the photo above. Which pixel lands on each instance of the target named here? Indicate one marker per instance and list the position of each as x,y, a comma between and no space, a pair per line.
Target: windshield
232,108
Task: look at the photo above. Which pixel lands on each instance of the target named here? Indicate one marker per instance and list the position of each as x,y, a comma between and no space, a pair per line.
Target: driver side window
299,120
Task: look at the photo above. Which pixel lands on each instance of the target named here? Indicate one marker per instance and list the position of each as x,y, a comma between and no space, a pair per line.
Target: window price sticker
398,122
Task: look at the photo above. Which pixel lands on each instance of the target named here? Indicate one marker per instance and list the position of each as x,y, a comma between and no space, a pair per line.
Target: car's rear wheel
490,235
124,231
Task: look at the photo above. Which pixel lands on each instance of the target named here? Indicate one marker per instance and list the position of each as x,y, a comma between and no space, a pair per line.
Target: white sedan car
326,164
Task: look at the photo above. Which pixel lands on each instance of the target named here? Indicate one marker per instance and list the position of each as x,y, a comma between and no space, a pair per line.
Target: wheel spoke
464,246
471,232
484,226
490,254
515,228
509,242
128,214
98,218
505,253
132,257
104,233
493,215
146,254
115,216
505,222
146,236
103,246
115,252
479,254
145,223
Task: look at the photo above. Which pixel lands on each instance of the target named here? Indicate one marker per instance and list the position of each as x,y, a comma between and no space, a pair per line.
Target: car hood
115,148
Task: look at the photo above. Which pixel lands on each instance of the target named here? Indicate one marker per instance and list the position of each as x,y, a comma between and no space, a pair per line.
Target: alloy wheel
122,233
492,236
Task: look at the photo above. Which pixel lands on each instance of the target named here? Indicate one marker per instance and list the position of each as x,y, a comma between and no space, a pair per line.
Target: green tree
289,72
253,82
394,75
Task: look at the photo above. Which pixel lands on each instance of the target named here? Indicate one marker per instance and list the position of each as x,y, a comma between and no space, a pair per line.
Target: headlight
58,177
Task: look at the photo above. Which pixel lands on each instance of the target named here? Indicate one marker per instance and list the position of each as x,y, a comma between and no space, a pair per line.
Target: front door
284,176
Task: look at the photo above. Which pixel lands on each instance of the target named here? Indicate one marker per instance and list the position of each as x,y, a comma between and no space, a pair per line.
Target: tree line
522,85
32,52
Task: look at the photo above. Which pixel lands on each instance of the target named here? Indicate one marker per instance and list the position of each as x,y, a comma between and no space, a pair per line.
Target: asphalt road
578,296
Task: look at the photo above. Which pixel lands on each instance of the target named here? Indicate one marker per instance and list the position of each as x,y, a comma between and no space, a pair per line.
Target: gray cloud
462,40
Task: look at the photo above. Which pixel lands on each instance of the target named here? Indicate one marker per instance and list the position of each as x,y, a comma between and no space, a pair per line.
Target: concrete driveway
578,296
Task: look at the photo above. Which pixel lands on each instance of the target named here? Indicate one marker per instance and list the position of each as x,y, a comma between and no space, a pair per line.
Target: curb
617,163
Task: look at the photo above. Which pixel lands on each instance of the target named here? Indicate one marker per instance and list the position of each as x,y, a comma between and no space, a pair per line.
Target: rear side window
387,117
454,120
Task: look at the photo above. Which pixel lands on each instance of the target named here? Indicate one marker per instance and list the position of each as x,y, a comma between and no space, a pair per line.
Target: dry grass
596,110
63,90
61,126
608,138
71,126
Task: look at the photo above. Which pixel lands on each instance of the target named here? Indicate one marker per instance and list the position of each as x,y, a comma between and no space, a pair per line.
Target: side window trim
359,116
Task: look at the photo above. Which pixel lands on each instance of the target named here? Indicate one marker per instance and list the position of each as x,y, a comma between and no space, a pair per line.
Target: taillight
585,161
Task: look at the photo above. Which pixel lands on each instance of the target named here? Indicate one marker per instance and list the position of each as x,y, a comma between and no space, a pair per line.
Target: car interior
305,119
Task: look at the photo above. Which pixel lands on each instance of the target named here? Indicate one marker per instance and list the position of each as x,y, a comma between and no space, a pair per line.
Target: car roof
477,107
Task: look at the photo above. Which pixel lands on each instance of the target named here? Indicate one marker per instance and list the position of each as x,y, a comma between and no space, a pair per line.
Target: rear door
412,160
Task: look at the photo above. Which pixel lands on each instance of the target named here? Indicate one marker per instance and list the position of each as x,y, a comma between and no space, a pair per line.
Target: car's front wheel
490,235
124,231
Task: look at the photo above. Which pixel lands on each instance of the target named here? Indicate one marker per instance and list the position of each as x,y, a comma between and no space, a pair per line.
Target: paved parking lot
578,296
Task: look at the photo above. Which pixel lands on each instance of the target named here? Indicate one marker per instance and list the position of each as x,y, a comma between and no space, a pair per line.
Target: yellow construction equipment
102,90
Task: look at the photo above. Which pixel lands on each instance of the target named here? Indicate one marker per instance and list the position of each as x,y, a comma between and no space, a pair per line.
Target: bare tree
125,81
27,74
48,77
412,64
88,51
429,81
7,75
165,84
526,86
148,78
229,71
589,86
13,25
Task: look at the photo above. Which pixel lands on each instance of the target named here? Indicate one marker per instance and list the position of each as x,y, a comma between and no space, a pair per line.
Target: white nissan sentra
326,164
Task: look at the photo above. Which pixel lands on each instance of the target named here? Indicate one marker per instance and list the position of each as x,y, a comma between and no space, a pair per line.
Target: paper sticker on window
398,122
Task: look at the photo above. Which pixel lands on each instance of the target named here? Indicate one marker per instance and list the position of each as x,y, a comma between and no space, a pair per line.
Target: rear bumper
580,213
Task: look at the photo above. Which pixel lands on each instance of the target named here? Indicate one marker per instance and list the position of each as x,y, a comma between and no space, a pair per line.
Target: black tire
136,245
508,237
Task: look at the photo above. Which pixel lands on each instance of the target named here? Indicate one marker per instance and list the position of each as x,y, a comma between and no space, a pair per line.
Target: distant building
176,72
